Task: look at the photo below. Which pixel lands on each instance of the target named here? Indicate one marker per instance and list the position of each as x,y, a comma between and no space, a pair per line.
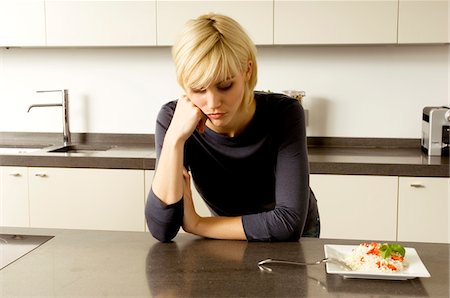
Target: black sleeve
163,221
287,220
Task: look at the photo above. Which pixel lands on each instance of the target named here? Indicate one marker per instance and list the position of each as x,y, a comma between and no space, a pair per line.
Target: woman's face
221,103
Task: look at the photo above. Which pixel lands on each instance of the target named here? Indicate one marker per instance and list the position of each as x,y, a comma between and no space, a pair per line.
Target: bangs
217,65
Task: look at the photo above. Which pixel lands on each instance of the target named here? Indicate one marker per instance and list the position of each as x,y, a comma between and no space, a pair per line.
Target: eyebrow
226,80
216,84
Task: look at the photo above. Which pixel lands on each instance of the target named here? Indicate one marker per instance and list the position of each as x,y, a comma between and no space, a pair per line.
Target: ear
249,71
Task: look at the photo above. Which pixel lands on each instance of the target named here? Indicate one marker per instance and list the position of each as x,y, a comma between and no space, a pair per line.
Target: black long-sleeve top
261,174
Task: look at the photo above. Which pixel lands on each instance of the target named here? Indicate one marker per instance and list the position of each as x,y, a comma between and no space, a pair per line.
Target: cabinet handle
417,185
43,175
14,174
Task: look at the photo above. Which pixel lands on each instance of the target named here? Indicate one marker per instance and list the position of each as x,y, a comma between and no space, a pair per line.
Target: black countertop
79,263
346,156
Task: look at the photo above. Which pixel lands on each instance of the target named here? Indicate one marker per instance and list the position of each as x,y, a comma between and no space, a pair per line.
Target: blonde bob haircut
214,48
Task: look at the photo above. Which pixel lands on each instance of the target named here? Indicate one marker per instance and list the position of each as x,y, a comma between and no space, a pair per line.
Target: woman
246,150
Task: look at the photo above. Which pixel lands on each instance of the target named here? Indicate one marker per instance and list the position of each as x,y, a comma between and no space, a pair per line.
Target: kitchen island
81,263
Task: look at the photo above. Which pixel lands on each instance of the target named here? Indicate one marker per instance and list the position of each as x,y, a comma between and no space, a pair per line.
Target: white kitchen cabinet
423,209
356,207
14,206
103,199
22,23
256,16
101,23
148,182
423,21
335,22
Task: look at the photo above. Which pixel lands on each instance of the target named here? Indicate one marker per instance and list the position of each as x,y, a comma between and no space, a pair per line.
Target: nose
213,99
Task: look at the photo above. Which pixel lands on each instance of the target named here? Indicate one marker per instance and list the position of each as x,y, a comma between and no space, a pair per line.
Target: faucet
65,110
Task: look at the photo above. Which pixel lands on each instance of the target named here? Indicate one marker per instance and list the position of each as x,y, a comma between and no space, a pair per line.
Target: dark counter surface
346,156
79,263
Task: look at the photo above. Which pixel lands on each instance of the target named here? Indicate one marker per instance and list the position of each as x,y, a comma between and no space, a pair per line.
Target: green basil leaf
385,251
398,249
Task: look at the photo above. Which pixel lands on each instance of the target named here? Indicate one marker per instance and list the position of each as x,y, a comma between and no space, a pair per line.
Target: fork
324,260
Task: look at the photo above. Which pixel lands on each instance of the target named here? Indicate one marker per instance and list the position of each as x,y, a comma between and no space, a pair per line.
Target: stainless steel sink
78,148
13,150
12,247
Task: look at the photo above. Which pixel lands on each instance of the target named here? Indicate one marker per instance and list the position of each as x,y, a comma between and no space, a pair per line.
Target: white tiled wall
352,91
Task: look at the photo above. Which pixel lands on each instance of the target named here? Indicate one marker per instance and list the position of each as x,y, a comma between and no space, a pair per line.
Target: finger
202,124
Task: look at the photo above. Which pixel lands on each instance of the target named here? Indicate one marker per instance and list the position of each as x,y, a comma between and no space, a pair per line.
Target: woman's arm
164,208
218,227
168,180
292,193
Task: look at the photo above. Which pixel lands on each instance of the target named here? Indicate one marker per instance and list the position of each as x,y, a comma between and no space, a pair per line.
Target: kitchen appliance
435,130
298,95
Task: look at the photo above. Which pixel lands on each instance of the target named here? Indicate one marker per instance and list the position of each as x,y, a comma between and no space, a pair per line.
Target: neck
240,123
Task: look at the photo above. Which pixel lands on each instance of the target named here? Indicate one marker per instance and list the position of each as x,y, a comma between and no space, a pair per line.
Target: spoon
324,260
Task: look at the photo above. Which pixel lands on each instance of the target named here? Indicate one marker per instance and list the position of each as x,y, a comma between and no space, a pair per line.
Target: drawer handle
15,174
43,175
417,185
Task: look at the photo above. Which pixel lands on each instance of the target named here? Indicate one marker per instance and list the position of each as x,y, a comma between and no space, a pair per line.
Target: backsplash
351,91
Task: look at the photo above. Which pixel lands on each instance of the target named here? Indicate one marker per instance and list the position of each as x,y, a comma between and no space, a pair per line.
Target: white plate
415,268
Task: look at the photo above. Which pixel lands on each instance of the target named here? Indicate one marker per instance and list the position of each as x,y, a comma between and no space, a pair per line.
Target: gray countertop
395,159
81,263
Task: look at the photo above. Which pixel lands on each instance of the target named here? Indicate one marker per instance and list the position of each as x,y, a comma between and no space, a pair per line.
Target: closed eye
225,86
198,90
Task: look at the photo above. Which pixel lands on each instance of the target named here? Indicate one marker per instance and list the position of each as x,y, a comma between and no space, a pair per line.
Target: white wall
352,91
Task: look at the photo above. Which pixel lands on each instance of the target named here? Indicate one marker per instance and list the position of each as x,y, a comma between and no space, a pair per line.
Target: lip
215,115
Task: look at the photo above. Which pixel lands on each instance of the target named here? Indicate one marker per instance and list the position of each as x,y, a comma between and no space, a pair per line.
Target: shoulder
277,103
166,112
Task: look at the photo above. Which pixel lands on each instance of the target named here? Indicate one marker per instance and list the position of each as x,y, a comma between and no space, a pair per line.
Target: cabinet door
22,23
102,199
101,23
14,207
423,209
335,22
356,207
423,21
256,16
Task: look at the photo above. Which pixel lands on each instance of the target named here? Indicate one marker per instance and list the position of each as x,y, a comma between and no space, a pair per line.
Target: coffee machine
435,131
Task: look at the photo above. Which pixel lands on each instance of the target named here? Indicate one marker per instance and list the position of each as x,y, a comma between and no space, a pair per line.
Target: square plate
415,268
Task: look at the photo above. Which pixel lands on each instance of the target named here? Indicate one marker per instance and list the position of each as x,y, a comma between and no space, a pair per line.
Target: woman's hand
191,218
186,119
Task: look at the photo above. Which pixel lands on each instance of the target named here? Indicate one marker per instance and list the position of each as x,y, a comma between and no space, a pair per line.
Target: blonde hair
214,48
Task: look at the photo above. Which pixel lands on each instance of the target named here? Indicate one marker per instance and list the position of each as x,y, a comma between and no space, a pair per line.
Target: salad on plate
377,257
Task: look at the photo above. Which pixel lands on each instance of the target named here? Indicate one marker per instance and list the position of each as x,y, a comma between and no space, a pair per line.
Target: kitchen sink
13,150
13,247
78,148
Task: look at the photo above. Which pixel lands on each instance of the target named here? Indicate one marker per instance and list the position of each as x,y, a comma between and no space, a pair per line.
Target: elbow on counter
159,232
278,225
286,234
285,225
163,221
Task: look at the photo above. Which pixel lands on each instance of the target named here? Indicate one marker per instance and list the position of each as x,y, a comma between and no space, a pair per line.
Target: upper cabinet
85,23
256,16
22,23
101,23
423,21
335,22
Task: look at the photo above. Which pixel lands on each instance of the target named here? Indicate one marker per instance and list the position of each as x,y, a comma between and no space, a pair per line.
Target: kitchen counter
117,264
346,156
